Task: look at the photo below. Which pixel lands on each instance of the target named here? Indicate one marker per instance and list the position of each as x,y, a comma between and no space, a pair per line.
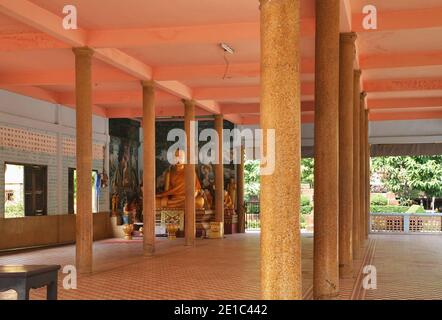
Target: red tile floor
407,268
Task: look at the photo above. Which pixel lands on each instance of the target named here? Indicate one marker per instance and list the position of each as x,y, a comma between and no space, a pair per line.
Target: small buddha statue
231,189
174,193
228,203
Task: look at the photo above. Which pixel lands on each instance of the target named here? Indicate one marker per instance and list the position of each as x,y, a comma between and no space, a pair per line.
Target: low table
22,278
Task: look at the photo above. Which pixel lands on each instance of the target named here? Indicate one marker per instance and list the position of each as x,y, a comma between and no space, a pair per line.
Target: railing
406,223
253,222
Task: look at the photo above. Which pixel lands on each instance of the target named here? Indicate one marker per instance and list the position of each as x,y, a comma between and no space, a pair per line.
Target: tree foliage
307,171
410,177
251,179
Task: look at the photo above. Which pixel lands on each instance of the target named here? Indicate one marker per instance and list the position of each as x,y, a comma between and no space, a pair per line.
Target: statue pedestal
203,219
230,221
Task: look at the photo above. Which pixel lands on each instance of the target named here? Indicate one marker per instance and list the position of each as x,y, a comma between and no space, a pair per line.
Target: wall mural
123,164
205,172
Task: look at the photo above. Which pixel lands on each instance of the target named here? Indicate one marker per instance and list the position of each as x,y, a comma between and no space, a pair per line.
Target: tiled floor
407,267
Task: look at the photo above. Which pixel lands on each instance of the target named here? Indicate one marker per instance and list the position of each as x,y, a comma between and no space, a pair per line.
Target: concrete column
326,265
84,219
59,161
149,210
189,171
346,61
280,111
356,238
240,193
219,172
363,170
367,168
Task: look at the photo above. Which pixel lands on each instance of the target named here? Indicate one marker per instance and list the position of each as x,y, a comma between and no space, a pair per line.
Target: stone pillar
363,171
326,265
240,193
280,111
346,61
149,174
84,218
367,168
189,171
356,239
219,171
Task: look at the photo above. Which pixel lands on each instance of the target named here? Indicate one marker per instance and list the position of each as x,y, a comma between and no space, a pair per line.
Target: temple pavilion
96,87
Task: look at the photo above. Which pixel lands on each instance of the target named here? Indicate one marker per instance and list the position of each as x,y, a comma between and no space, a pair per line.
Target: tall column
149,210
325,266
189,172
219,171
84,218
346,60
240,193
357,217
367,168
363,171
280,111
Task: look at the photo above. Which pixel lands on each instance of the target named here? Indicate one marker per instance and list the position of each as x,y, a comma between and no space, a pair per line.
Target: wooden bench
22,278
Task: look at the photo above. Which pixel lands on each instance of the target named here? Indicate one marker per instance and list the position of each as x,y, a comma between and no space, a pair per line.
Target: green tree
251,179
410,176
307,171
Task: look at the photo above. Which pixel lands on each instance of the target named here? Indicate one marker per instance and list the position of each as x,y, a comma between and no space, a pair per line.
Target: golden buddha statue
228,203
174,194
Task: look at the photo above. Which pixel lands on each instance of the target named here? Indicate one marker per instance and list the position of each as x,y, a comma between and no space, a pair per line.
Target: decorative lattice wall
39,142
27,140
70,148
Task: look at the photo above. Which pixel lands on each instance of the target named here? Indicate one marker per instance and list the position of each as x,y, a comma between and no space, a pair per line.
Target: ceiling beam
412,115
402,20
64,77
403,85
117,97
376,104
345,16
145,37
30,41
226,93
43,20
401,60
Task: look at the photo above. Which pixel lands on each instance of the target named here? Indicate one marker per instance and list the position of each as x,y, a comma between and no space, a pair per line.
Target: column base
345,271
327,297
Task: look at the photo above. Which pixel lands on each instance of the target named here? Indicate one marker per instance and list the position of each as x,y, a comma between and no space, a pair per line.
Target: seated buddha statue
174,193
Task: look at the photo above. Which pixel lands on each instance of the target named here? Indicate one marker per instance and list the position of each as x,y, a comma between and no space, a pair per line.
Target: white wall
57,121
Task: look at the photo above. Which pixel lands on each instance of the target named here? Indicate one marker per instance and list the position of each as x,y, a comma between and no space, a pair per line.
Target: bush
306,210
16,210
305,201
416,209
388,209
302,222
378,200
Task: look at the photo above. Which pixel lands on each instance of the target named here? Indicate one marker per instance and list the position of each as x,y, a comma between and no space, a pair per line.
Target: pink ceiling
197,62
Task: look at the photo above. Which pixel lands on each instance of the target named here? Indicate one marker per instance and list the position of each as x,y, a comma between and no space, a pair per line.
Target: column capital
83,51
219,116
188,102
348,37
148,83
